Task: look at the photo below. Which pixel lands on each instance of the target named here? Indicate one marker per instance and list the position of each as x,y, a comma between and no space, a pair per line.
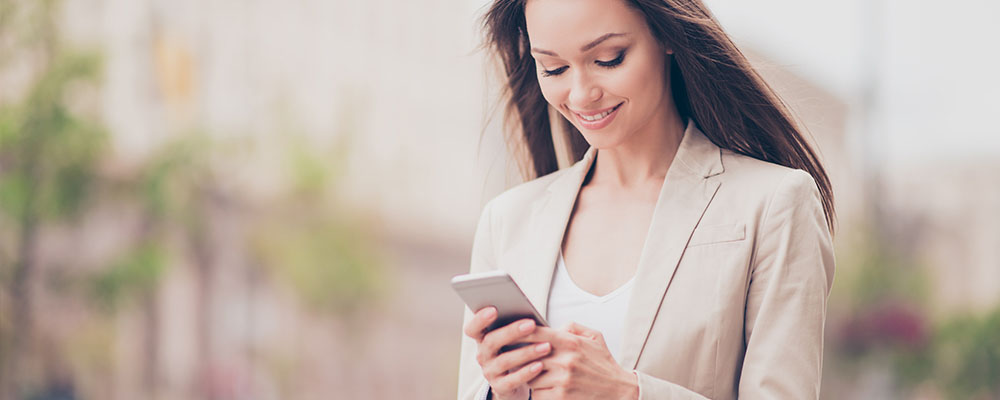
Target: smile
598,120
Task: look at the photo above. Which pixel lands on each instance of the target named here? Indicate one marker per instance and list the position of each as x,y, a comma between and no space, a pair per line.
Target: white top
568,302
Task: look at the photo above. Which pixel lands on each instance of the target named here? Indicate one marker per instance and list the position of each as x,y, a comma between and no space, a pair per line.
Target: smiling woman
687,253
617,75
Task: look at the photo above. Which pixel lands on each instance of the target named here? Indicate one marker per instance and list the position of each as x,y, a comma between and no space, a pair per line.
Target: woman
687,254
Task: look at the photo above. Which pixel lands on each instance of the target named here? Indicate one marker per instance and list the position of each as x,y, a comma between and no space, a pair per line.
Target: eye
554,72
613,63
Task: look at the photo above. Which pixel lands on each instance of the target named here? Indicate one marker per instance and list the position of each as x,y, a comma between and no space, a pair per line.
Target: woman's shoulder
505,215
755,188
522,195
763,177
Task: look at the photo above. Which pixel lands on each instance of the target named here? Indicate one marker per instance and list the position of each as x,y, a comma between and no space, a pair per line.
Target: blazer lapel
684,197
533,267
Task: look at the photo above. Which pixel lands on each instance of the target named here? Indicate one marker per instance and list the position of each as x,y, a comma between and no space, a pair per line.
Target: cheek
642,83
553,92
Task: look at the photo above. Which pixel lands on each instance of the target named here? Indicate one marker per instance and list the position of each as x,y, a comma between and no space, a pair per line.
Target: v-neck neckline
561,260
561,266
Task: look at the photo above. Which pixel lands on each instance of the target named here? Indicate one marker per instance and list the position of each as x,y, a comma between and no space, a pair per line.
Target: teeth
598,116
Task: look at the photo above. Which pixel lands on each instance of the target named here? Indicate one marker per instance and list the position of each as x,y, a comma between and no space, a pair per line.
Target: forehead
565,24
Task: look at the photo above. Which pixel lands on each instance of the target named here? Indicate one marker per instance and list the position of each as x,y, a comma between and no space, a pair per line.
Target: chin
601,140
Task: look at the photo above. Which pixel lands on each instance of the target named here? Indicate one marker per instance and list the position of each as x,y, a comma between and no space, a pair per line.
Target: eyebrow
585,47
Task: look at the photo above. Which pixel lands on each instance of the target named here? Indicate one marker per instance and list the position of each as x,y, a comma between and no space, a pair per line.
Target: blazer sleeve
653,388
791,275
471,384
790,281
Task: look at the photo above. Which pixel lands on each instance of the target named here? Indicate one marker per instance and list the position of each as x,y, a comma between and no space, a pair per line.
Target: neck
645,157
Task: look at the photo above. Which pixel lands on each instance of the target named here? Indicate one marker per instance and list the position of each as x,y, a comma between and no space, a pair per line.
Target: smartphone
498,289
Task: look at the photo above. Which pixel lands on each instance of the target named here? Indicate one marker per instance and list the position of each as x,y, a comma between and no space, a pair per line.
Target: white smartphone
498,289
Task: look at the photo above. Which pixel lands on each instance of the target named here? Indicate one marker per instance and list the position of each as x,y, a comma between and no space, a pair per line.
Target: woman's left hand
579,367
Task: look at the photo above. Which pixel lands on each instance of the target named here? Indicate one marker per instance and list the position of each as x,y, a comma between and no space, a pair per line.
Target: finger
476,327
514,359
545,334
507,334
577,329
584,331
548,393
518,378
557,337
547,379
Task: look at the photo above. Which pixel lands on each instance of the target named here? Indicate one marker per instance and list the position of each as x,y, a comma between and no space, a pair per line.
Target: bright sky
936,70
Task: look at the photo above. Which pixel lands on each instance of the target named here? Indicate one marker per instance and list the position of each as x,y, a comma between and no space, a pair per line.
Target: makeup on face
591,118
597,119
599,65
606,64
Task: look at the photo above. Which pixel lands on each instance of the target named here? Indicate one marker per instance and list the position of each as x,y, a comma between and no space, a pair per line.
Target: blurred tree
54,167
309,242
877,312
967,355
881,318
170,190
50,171
48,158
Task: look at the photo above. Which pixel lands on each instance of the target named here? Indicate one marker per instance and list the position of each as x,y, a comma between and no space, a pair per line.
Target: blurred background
265,199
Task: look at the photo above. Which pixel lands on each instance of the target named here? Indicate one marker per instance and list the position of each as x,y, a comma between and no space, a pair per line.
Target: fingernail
526,326
490,312
542,348
536,366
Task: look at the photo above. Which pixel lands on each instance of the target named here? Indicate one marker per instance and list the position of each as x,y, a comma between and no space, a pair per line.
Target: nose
583,91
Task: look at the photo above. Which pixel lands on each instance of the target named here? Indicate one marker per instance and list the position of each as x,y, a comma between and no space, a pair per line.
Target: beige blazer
731,289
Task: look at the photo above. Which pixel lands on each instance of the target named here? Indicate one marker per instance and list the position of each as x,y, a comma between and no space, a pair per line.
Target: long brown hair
711,82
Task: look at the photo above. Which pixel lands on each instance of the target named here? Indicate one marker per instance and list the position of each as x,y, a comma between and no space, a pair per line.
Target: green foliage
914,365
877,308
871,271
137,271
169,181
968,355
880,314
166,189
48,155
310,176
312,246
326,261
50,175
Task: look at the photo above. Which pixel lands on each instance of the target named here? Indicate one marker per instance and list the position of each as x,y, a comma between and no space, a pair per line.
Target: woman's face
599,65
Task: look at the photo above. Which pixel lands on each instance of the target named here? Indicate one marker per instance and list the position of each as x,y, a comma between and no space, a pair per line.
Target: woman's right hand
507,373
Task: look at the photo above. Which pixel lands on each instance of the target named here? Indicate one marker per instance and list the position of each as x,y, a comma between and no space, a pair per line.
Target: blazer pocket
717,234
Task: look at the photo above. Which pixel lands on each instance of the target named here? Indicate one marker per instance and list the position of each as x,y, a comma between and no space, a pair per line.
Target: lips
599,118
